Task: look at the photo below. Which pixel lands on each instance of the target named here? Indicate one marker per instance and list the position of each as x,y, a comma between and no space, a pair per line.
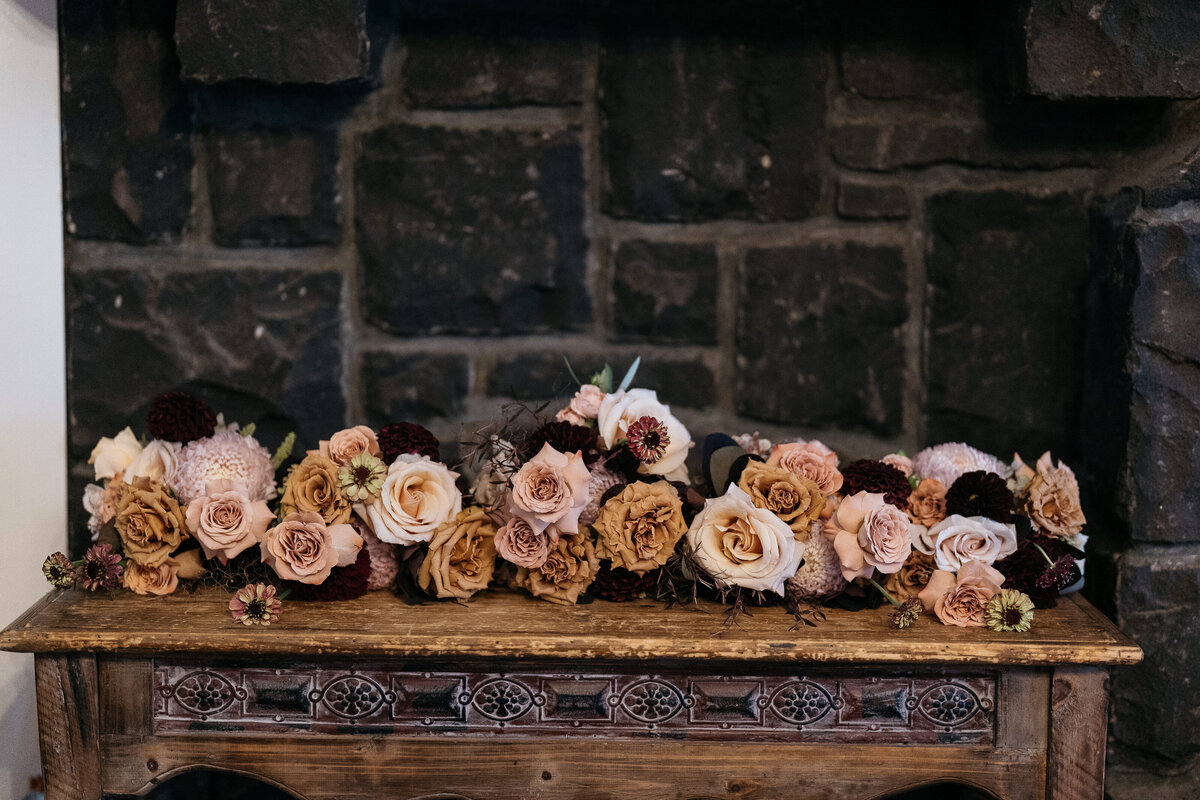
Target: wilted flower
101,568
59,571
1009,610
255,604
907,613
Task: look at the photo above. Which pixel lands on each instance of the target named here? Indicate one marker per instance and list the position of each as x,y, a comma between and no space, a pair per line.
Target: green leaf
571,371
628,379
248,430
603,379
284,451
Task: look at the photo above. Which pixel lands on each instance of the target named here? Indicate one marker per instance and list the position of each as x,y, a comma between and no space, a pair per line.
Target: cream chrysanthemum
600,480
947,462
226,455
820,575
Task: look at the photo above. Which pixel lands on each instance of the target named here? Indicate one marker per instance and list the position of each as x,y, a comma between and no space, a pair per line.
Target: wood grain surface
502,624
68,726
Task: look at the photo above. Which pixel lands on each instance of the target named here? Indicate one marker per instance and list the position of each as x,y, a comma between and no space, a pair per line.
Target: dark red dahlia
648,439
1041,567
980,494
619,585
876,477
343,583
407,437
180,417
563,437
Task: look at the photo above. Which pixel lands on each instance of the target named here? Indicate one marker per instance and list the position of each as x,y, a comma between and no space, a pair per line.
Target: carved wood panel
929,708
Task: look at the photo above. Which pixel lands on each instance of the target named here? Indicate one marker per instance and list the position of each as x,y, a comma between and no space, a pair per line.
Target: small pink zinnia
101,568
255,604
648,439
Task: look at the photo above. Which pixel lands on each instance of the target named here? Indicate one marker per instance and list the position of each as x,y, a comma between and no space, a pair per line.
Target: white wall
32,372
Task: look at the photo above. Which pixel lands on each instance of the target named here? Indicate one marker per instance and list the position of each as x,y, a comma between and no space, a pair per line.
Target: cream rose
157,461
418,495
226,521
113,455
550,489
620,409
739,544
869,534
345,445
957,540
303,548
812,460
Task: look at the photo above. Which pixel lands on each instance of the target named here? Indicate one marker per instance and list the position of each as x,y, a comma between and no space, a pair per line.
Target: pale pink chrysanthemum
820,576
385,562
947,462
226,455
600,480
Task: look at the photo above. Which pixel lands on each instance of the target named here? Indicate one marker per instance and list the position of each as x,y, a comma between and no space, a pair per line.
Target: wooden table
512,697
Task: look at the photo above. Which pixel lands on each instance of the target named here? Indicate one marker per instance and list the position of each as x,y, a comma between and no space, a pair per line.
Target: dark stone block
1156,704
482,229
259,345
127,154
665,292
1120,48
274,188
708,128
1177,182
275,41
544,376
415,387
1004,307
820,339
687,384
865,199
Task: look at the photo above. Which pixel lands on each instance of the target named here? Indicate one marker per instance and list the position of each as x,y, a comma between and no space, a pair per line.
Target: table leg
68,724
1078,733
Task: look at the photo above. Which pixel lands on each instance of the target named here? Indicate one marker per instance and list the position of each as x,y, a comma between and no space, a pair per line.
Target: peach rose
345,445
567,572
303,548
902,463
619,410
157,461
163,579
313,485
461,557
739,544
149,522
584,406
927,503
418,496
113,455
550,489
226,521
811,460
795,500
964,602
639,527
958,540
1052,499
869,534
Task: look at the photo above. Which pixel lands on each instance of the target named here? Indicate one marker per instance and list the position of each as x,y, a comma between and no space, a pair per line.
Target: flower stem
1045,555
886,594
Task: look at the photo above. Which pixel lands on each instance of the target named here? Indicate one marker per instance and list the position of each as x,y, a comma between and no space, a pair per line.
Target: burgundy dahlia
619,585
101,568
1039,568
563,437
407,437
180,417
648,439
343,583
876,477
980,494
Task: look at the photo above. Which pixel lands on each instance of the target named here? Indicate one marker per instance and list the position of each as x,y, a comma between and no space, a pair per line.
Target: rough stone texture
274,188
1157,703
665,293
412,387
541,376
127,156
703,129
1118,48
1178,183
1164,438
480,231
798,307
259,345
446,67
276,41
1004,307
859,198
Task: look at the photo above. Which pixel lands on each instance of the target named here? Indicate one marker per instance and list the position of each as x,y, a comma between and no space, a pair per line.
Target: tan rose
739,544
912,577
313,485
927,503
163,579
1052,499
149,522
418,496
226,521
461,557
112,455
869,534
345,445
639,527
303,548
795,500
518,542
811,460
965,603
550,489
568,571
957,540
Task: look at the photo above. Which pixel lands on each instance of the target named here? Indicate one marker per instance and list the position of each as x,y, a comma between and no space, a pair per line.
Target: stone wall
882,224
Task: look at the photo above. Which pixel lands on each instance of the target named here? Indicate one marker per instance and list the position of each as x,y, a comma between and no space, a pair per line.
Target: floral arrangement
592,502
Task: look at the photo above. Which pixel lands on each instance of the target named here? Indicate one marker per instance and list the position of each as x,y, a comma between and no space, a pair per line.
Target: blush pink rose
584,406
518,542
961,600
811,460
869,534
303,548
958,540
345,445
551,489
226,521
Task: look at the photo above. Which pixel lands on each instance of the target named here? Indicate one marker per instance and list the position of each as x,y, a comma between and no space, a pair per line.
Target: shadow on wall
41,10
